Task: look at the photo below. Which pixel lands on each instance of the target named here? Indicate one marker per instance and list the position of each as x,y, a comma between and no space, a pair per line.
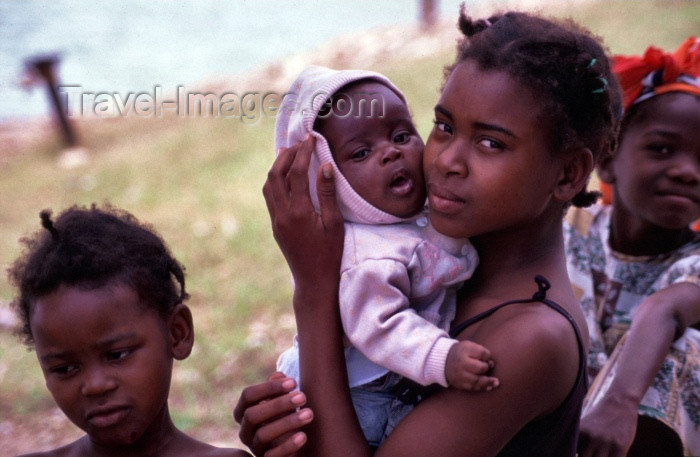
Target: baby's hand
467,365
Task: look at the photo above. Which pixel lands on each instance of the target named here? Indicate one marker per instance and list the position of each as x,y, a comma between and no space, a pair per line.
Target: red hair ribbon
657,72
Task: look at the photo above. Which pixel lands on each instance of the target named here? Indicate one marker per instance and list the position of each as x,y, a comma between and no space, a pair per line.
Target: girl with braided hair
524,113
636,263
101,300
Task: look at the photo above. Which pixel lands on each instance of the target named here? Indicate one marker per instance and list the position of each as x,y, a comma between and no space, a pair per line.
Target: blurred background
132,45
197,178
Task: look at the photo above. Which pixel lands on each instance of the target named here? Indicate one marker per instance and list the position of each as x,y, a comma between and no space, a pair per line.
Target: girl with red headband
635,265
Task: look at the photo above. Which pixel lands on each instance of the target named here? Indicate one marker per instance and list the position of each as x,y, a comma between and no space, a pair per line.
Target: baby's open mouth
401,182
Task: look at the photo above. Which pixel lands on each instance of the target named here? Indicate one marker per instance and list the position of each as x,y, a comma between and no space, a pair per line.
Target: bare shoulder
228,452
223,452
535,347
40,454
535,323
527,326
187,446
535,350
70,450
536,356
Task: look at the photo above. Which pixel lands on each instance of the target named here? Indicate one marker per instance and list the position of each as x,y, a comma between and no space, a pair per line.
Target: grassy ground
198,181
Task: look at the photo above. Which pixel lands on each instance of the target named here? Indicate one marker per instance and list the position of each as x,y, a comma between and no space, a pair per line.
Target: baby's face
106,360
376,147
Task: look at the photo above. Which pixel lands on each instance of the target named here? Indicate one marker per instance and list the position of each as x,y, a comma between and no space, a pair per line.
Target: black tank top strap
543,286
541,294
411,393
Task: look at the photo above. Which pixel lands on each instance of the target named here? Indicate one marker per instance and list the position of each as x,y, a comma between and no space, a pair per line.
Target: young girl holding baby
524,113
399,276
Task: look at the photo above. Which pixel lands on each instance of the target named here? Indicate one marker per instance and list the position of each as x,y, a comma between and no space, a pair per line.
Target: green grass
198,182
628,27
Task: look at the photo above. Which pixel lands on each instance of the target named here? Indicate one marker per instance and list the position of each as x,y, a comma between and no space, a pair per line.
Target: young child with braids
636,266
525,111
101,301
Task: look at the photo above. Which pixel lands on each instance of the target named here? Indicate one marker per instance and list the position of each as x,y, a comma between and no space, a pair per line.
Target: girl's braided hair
90,248
564,67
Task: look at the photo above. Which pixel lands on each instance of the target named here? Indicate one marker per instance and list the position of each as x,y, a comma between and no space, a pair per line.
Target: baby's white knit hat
296,117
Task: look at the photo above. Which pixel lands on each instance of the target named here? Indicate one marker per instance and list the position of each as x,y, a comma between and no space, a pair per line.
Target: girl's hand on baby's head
468,365
271,417
312,242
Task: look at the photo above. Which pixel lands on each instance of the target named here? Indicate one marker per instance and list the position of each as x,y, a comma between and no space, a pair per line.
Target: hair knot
47,223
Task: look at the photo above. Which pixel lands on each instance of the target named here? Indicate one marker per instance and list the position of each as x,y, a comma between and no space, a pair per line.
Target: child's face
656,170
487,161
377,149
106,360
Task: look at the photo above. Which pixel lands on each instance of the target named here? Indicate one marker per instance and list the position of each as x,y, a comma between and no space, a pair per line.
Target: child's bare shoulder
224,452
544,325
69,450
221,452
187,446
41,454
532,332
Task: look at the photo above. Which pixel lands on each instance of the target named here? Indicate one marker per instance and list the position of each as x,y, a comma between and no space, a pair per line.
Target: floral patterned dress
611,286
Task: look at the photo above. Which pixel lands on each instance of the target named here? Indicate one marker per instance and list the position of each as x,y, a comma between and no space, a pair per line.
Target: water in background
132,45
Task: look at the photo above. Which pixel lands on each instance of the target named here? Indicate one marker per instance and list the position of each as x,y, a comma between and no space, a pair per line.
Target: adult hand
270,417
608,429
312,242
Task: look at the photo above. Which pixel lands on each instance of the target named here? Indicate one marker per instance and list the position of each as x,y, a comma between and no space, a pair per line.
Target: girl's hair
566,70
91,248
635,113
